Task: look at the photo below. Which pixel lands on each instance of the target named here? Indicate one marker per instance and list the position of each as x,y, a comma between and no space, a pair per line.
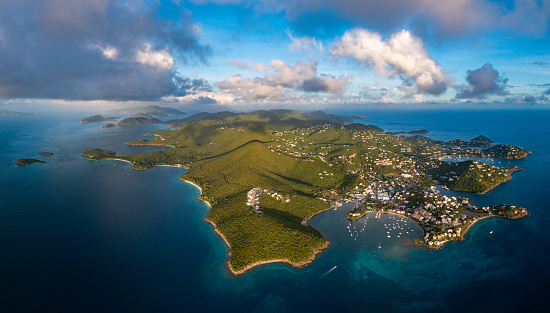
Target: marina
393,227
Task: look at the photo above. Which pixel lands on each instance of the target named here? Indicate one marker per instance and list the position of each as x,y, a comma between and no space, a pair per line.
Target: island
45,153
266,173
148,111
97,118
109,125
132,121
12,113
28,161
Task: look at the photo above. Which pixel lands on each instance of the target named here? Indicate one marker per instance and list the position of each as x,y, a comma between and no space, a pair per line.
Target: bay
77,235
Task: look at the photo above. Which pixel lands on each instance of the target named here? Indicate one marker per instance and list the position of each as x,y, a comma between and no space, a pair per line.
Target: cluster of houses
440,216
253,198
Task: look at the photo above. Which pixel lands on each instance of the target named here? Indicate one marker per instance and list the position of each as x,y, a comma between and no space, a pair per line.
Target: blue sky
308,54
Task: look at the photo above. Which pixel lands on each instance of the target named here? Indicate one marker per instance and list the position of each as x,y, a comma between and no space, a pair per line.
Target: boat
379,246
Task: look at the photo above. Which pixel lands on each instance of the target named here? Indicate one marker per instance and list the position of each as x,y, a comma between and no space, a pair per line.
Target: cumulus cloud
243,66
482,82
301,76
184,86
92,50
402,55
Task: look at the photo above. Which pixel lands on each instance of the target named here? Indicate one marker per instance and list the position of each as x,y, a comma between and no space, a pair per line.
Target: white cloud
220,98
304,43
107,51
242,65
275,86
386,99
402,55
157,58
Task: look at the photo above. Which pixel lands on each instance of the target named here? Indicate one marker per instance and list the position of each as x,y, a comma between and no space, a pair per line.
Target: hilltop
131,121
265,173
264,119
97,118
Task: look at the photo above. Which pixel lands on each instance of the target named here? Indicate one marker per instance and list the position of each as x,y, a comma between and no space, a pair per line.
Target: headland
265,173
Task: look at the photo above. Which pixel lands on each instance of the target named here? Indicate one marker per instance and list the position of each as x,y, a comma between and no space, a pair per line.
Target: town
266,173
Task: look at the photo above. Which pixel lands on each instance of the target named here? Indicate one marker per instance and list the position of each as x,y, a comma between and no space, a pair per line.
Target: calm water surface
83,236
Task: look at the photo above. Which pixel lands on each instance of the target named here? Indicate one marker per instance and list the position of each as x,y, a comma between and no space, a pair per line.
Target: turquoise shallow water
85,236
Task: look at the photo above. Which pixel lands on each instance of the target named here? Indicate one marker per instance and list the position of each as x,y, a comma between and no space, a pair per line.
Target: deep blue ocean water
83,236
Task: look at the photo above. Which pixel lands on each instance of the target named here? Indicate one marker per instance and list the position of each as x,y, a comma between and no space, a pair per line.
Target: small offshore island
266,173
28,161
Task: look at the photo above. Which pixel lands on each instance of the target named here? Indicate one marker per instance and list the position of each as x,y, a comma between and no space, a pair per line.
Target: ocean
96,236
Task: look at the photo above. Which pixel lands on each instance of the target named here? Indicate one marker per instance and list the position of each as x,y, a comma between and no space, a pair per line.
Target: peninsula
266,173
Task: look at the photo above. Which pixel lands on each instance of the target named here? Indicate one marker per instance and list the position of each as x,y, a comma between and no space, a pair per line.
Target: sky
303,54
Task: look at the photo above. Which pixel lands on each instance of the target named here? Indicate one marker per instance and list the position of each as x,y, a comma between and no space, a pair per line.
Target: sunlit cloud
403,55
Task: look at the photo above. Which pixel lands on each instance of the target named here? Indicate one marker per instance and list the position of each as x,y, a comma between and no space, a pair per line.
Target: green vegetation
45,153
98,154
132,121
263,120
479,141
505,151
97,118
109,125
471,176
306,162
28,162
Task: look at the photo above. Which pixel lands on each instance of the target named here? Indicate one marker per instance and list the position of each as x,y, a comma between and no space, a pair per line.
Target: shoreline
442,243
300,264
129,143
198,187
467,229
463,235
142,169
251,266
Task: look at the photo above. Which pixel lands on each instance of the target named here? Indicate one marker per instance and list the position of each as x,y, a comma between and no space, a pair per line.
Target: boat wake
328,272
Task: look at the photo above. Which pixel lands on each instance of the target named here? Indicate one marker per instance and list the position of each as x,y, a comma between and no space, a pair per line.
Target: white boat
379,246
